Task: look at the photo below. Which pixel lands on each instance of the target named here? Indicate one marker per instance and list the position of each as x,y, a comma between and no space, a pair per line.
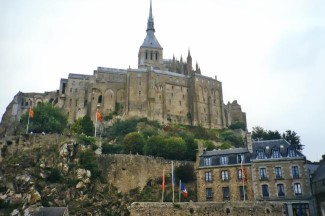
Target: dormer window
207,161
223,160
292,153
240,158
260,154
275,153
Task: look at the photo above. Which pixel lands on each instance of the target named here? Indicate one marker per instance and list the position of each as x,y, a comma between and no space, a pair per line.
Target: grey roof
267,145
319,174
225,151
51,211
151,41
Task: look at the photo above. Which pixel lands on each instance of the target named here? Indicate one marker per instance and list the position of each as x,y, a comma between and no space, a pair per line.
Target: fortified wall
207,208
127,172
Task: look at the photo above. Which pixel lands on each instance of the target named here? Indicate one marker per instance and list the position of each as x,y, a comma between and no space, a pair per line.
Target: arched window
100,98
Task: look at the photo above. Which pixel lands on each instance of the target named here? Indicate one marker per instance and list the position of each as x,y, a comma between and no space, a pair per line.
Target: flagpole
173,181
163,186
27,123
243,174
179,192
96,123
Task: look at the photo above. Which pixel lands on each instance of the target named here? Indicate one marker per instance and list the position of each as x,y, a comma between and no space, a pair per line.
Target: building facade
166,90
276,172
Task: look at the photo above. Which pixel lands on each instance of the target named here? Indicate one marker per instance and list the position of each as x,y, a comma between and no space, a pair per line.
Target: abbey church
166,90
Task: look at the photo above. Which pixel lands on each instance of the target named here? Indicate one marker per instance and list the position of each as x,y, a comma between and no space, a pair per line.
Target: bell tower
150,53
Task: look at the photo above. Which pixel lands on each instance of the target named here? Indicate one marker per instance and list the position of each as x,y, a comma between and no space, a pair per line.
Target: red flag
98,115
163,186
243,172
31,112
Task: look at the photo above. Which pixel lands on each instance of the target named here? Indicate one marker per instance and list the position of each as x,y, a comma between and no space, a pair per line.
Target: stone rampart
206,208
127,172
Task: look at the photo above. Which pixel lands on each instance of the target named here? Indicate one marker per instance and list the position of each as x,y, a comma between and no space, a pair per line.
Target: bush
87,160
54,176
112,148
185,173
133,143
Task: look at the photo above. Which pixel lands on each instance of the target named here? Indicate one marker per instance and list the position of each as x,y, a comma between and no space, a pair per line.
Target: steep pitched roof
267,145
319,174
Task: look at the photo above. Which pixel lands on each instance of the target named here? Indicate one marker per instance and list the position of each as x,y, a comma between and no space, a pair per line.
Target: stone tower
150,53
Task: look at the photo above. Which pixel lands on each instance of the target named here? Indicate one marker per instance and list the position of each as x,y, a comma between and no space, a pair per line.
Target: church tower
150,53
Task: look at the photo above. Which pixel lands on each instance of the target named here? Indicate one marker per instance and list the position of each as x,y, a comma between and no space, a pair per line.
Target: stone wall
127,172
207,208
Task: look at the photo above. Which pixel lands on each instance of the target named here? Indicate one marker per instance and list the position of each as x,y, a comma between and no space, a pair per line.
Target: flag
243,171
31,112
98,115
163,185
184,191
173,177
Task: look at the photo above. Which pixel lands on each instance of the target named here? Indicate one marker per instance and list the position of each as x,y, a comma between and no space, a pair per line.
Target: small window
278,173
292,153
265,191
295,172
156,55
139,83
146,54
180,103
225,192
263,174
139,93
207,161
275,153
208,193
260,154
297,189
208,176
280,188
240,157
223,160
100,99
242,192
150,55
239,174
224,175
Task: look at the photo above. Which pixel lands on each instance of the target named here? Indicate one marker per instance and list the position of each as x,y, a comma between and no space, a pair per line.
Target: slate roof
319,174
267,145
151,41
231,154
51,211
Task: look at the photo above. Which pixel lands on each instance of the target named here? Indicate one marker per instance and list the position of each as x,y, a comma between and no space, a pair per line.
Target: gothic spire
150,24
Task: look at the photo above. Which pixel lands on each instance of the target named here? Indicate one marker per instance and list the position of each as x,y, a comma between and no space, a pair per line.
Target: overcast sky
269,55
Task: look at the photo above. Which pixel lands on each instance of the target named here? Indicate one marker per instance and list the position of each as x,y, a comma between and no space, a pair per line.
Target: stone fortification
127,172
207,208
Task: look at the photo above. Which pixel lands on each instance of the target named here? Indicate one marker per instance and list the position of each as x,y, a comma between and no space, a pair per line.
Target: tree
293,139
155,146
83,125
47,118
237,125
260,133
175,148
133,142
185,173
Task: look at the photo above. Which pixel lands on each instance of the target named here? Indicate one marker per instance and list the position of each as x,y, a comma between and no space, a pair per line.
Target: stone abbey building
166,90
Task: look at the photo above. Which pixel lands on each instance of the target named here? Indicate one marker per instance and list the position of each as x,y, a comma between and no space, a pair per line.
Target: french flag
184,191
